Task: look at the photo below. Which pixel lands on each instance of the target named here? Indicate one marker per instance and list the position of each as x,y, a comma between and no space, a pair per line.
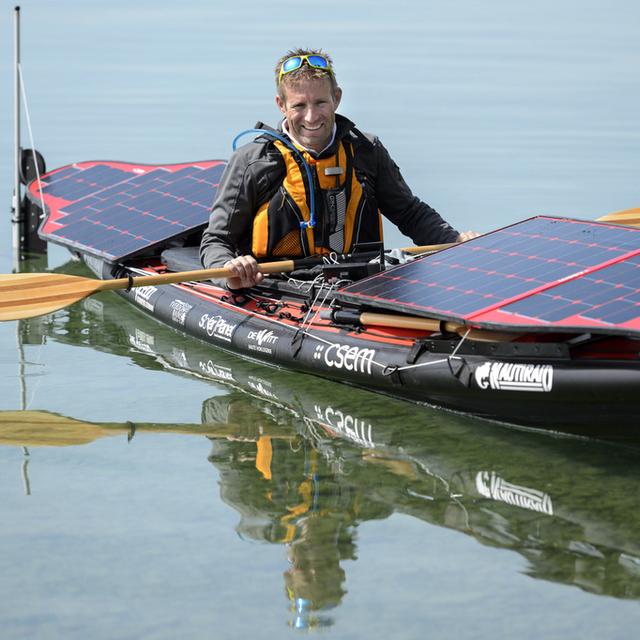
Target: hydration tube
312,208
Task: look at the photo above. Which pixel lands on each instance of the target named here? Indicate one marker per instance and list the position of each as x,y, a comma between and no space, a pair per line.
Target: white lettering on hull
217,327
142,296
509,376
179,311
342,356
264,341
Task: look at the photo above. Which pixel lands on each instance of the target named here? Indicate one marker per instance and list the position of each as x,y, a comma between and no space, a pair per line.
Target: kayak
424,330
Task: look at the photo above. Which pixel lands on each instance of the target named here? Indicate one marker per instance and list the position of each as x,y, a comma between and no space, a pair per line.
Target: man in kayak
265,206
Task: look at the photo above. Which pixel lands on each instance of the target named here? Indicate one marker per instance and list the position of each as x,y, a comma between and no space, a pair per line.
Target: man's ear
280,103
337,96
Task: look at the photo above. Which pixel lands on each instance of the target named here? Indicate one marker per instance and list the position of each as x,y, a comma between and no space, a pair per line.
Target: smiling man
313,186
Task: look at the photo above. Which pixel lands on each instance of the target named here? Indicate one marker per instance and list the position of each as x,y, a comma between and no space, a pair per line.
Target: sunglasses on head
295,62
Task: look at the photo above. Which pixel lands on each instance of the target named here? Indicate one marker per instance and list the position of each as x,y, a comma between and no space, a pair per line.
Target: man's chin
315,144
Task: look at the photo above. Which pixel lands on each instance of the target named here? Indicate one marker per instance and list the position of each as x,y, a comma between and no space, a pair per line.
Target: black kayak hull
524,384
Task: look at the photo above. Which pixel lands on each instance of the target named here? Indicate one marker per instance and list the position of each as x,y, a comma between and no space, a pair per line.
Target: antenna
17,219
28,164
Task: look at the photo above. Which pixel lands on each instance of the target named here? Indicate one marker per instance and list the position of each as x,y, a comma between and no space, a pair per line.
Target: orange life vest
345,212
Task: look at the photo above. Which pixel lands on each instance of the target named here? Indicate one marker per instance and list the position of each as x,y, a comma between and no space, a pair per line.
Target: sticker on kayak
342,356
217,327
508,376
179,311
143,295
263,340
494,487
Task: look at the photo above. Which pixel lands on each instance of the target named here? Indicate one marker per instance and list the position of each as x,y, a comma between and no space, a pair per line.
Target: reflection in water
25,473
305,461
286,493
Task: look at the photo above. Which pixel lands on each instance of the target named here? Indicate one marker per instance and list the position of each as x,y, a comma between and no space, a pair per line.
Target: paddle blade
629,217
26,295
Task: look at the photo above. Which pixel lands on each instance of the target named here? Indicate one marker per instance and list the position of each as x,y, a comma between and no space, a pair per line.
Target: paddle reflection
305,462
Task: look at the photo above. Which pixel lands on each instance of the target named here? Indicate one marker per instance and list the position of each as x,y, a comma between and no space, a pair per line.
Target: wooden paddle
628,217
428,324
26,295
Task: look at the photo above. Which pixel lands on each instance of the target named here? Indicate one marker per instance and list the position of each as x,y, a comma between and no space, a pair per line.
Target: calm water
157,488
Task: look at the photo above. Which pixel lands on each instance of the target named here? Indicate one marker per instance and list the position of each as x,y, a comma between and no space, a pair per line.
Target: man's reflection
287,494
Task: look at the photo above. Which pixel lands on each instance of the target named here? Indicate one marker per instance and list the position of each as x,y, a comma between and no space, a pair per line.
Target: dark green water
153,487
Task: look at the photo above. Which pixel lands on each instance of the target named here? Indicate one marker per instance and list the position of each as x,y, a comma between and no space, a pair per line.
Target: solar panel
115,210
541,274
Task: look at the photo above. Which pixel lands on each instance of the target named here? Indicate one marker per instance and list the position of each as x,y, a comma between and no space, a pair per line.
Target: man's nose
311,114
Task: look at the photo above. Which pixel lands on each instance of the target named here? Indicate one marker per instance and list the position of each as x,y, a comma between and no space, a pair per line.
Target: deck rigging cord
31,139
452,356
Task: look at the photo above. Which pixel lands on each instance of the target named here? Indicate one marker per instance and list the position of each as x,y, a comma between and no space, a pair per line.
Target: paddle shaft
407,322
429,324
282,266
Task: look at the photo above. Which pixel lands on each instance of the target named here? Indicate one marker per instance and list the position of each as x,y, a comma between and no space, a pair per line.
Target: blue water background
494,112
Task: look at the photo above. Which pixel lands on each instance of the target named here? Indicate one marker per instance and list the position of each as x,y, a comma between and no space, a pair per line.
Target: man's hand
468,235
246,274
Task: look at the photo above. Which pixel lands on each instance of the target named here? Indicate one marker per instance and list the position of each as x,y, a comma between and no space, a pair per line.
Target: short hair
304,72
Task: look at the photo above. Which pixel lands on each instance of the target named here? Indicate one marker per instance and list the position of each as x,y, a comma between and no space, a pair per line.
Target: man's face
309,107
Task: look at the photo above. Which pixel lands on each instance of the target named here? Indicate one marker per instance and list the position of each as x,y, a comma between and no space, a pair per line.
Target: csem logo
507,376
342,356
217,327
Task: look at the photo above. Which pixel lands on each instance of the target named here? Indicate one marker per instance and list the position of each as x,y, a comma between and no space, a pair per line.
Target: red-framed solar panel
541,274
115,210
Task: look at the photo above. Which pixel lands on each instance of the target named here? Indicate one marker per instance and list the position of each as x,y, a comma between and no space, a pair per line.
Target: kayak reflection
304,462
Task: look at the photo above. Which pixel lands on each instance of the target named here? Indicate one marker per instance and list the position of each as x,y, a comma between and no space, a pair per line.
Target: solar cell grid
114,211
181,189
63,174
535,273
186,172
211,174
609,295
144,179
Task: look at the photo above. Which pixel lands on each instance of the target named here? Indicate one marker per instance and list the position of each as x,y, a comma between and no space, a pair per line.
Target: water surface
162,489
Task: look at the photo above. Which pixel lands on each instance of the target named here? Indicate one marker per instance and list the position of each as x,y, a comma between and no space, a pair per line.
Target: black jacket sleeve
245,184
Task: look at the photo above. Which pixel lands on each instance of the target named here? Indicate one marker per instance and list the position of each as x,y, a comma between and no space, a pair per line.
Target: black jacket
256,170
